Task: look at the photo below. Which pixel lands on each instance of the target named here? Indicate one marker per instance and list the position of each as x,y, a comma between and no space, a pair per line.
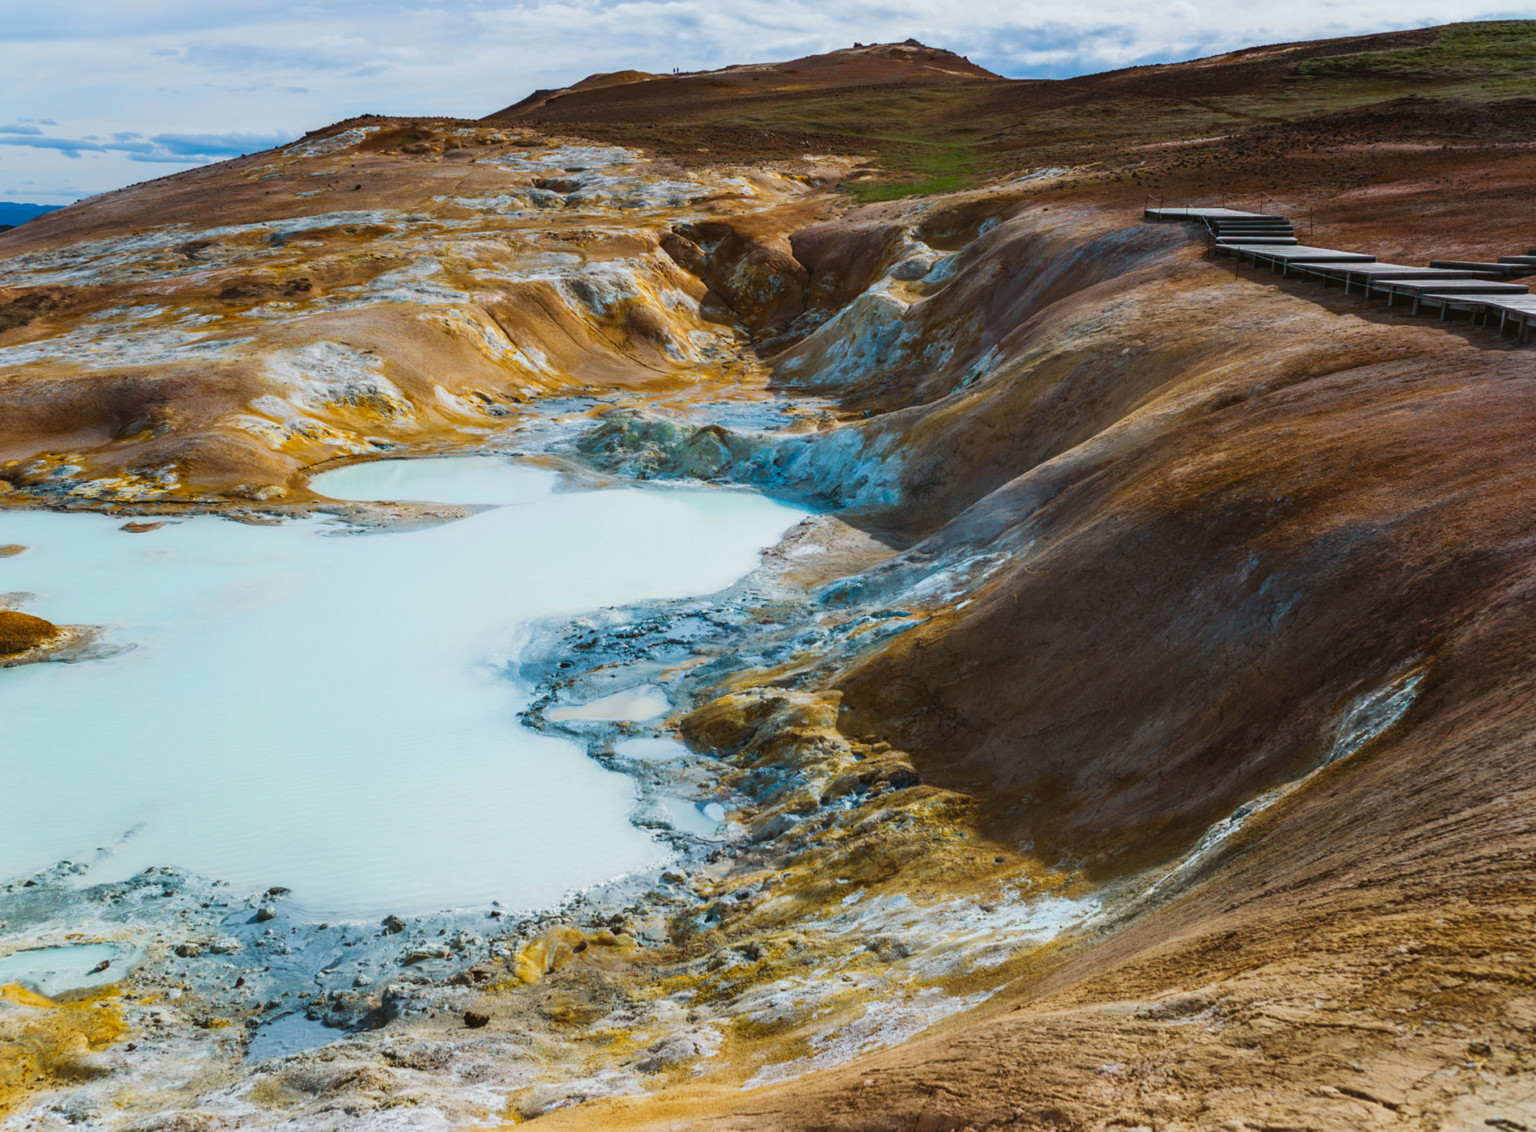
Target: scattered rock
100,967
258,492
265,912
680,1049
393,925
138,528
10,550
399,1001
474,1020
776,826
889,950
540,1099
421,954
899,776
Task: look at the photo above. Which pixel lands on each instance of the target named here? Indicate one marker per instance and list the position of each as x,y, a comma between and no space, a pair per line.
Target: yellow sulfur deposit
44,1043
559,948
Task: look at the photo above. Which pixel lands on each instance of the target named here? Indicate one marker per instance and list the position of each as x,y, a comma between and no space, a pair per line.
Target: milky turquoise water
334,712
52,970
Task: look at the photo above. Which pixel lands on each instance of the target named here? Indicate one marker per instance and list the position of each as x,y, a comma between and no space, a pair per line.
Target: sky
97,94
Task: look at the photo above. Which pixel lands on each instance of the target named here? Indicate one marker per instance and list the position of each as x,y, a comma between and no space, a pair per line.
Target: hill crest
858,66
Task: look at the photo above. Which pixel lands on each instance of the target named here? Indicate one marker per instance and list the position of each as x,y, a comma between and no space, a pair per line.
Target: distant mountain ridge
925,120
14,212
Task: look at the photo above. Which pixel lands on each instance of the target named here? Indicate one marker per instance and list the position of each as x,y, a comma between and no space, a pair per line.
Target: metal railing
1292,208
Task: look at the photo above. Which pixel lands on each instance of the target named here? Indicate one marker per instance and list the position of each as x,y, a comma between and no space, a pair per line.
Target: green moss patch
1492,49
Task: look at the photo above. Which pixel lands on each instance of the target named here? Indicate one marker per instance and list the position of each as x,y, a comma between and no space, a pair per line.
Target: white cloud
174,70
175,149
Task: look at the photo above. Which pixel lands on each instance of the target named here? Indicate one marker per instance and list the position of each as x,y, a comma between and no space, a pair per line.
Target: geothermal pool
335,712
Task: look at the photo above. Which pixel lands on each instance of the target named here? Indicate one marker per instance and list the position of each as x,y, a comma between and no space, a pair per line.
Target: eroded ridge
351,294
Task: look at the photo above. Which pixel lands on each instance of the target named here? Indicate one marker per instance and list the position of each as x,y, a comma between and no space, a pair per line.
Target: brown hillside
672,97
1266,119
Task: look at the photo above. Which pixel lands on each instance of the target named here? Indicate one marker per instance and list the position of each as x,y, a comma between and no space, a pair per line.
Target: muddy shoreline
237,983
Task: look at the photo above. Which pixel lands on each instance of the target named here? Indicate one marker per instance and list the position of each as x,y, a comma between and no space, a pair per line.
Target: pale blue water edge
332,712
52,970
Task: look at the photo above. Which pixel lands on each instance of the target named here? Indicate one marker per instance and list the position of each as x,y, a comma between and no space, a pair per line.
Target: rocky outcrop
748,266
21,632
268,323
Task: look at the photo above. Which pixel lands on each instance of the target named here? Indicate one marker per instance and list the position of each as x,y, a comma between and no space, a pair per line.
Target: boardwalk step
1446,286
1501,268
1477,288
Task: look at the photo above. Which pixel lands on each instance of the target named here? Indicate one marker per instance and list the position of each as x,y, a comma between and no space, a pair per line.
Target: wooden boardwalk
1279,259
1518,312
1229,225
1204,214
1366,273
1478,290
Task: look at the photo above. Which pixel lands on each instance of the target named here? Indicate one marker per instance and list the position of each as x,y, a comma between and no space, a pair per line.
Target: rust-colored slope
1192,601
1204,534
1362,961
1218,511
1236,534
